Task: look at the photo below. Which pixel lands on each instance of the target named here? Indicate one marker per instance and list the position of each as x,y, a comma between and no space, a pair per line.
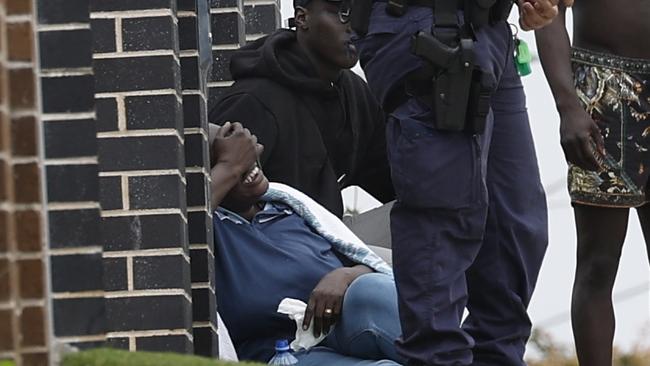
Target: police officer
469,229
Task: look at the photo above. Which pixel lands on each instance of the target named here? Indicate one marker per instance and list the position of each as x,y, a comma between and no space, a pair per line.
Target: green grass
111,357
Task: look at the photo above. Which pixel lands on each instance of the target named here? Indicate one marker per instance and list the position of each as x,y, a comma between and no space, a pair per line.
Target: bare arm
555,53
578,131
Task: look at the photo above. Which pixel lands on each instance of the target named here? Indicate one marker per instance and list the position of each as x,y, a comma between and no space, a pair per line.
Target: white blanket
328,225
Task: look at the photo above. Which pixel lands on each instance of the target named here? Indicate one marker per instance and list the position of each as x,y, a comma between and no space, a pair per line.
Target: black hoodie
318,137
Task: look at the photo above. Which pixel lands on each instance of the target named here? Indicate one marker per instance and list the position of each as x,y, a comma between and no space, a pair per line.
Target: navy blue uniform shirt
258,264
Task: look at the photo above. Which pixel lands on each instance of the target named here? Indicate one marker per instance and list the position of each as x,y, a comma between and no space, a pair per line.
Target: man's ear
301,16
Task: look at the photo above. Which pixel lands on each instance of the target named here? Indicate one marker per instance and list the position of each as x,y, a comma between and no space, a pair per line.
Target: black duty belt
425,3
398,7
491,11
361,9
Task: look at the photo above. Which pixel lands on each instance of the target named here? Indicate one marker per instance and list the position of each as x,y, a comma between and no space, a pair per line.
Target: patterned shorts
615,91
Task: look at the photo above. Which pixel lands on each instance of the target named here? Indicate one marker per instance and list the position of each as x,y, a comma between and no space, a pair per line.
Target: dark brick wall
262,17
196,59
141,144
71,171
235,22
228,34
104,161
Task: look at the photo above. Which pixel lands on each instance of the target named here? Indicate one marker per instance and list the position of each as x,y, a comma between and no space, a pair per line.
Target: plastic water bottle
283,356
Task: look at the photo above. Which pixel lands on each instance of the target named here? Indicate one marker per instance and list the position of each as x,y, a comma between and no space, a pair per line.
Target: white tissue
295,309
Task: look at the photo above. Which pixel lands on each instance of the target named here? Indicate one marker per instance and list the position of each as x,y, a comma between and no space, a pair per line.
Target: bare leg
601,233
644,218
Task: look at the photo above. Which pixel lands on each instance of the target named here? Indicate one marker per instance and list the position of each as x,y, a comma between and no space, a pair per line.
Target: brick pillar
23,304
70,166
228,35
262,17
196,58
142,174
7,347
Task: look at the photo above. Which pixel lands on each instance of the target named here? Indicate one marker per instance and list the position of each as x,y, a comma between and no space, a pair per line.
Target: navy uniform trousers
469,229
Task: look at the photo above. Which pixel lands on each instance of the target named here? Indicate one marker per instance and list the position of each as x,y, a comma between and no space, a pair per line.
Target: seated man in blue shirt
265,252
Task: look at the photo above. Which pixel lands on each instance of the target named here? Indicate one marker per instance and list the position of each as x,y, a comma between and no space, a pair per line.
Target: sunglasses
344,11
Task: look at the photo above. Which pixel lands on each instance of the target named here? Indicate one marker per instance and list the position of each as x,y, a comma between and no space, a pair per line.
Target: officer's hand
580,136
536,14
234,147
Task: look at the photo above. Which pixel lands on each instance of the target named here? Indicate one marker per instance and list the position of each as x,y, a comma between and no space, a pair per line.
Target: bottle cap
281,345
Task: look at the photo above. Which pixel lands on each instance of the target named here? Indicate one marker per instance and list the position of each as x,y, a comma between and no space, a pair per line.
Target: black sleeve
373,174
252,114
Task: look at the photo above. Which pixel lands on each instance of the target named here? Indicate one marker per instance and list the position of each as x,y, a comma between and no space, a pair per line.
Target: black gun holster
455,94
457,97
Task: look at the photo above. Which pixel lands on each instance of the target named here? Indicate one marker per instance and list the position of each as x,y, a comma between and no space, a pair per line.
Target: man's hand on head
536,14
233,147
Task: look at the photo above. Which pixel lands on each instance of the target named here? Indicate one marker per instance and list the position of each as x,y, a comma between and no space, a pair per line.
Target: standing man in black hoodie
321,127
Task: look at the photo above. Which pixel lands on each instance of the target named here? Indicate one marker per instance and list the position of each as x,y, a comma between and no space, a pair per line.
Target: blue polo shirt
259,263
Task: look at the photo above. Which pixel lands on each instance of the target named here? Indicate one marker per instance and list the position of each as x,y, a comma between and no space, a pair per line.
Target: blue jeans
366,333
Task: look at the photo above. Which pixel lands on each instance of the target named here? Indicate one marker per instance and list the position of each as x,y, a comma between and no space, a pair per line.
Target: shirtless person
602,92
